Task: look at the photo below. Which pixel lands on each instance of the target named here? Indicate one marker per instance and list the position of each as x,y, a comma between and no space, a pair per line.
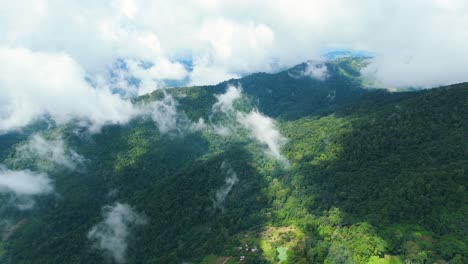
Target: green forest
363,175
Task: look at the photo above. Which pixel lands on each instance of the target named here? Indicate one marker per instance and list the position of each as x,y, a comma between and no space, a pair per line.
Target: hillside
294,168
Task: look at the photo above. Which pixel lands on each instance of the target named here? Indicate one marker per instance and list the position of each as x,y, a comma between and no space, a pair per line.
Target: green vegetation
282,254
375,177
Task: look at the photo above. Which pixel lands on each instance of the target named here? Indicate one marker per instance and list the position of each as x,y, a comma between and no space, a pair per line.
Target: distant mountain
344,53
303,166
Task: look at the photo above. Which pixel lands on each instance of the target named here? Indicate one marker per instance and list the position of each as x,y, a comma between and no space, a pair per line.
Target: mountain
308,165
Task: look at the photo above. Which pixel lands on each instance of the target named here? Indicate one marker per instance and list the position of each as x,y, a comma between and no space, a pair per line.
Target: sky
67,59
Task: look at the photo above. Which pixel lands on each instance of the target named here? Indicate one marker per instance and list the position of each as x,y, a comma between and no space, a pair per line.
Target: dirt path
226,260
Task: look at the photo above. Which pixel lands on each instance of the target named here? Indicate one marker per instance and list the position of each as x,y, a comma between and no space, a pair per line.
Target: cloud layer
34,84
59,59
229,38
112,233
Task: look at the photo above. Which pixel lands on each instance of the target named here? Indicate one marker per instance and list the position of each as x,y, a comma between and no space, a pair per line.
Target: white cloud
220,39
224,106
112,233
34,84
150,78
204,73
164,113
128,8
225,101
222,130
241,46
165,69
261,128
24,182
199,125
314,70
54,150
264,130
21,186
230,180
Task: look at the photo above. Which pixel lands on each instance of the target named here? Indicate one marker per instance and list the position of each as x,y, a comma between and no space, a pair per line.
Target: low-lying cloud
260,127
164,113
226,100
168,118
199,125
53,150
263,129
24,182
224,107
314,70
230,180
23,185
112,233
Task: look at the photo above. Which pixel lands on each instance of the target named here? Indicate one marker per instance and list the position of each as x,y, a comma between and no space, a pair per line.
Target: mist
229,182
260,128
112,233
54,150
23,185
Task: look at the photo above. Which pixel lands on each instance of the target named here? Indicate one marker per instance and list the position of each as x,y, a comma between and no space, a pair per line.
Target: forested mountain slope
295,167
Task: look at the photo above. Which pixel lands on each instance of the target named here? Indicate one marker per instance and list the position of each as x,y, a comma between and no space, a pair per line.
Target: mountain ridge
373,177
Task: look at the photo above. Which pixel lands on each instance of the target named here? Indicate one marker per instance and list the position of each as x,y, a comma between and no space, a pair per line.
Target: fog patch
23,185
53,150
164,113
222,118
312,69
226,100
200,125
230,180
260,127
221,130
24,182
112,233
263,129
